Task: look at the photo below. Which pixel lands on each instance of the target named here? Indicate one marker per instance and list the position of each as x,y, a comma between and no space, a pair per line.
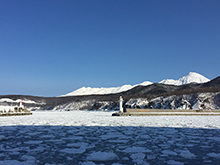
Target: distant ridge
190,78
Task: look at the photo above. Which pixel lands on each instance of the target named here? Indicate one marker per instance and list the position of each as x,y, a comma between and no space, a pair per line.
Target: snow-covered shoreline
98,118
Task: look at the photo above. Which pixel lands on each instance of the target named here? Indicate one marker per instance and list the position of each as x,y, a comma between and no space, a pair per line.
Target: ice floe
2,137
102,156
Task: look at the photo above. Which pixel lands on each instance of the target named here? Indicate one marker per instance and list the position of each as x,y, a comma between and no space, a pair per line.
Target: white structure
21,104
120,104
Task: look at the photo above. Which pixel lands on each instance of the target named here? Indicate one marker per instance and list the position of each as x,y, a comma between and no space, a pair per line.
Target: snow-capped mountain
111,90
191,77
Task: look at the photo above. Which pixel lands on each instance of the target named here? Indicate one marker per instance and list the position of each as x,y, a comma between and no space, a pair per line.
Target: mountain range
193,91
192,77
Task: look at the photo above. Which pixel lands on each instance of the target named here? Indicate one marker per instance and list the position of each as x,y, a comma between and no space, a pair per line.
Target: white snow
145,83
90,138
90,91
18,101
6,108
7,104
97,118
191,77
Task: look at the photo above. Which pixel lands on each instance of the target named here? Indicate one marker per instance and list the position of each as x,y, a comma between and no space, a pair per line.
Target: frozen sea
90,138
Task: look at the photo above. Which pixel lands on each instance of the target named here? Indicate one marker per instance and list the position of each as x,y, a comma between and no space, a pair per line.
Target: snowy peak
190,78
193,77
145,83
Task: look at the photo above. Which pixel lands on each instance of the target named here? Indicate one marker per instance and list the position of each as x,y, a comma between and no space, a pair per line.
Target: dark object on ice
116,114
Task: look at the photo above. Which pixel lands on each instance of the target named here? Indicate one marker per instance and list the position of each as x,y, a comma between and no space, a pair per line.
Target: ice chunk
150,157
173,162
2,137
136,149
73,138
102,156
33,142
73,150
168,152
214,155
29,159
13,162
118,141
48,136
87,163
138,158
214,138
187,154
79,144
112,136
125,158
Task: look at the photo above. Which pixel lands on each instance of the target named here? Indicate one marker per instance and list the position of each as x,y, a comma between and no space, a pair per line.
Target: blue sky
52,47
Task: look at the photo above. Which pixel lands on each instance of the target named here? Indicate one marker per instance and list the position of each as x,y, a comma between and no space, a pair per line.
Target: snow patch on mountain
194,101
192,77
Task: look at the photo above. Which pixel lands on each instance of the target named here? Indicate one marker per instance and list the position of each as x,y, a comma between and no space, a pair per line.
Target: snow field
97,118
90,138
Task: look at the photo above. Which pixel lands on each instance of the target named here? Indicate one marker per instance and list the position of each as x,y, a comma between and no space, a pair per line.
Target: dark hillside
213,83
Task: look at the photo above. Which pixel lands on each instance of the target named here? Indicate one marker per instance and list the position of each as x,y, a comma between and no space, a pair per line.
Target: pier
15,114
169,112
